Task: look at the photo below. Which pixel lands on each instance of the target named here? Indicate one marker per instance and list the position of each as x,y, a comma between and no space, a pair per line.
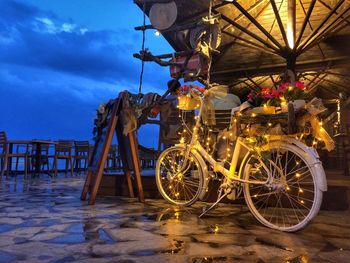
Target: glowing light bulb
216,229
297,175
157,33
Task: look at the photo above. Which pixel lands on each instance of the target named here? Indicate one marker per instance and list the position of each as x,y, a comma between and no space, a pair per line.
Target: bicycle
282,181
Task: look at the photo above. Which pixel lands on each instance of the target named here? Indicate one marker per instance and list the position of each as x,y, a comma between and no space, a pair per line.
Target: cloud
44,41
55,72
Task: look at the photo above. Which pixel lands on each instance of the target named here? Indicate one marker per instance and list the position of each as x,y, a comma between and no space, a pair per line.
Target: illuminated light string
207,137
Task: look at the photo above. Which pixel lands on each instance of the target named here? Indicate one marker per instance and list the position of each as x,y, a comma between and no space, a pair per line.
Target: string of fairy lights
208,139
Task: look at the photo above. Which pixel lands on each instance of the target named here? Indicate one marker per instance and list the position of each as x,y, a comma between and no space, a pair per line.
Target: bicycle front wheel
292,198
179,179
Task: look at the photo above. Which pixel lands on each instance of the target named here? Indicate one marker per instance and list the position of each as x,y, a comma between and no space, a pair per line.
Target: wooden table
37,143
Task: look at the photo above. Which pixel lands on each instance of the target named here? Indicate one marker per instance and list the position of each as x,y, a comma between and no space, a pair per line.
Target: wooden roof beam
250,44
202,12
251,8
258,25
306,21
273,81
279,21
330,30
256,37
309,23
338,74
325,20
322,64
254,83
317,79
291,25
255,46
340,86
318,84
330,8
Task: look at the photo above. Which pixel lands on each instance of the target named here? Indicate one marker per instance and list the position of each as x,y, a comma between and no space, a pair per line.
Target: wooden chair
222,120
3,152
148,157
63,150
22,151
170,124
81,153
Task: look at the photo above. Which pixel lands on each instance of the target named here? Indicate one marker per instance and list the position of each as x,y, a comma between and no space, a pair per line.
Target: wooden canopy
262,38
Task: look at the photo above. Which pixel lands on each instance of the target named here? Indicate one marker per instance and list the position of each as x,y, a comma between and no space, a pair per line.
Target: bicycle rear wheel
180,182
293,198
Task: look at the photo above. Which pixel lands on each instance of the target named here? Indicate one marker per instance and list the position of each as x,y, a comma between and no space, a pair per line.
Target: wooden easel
100,152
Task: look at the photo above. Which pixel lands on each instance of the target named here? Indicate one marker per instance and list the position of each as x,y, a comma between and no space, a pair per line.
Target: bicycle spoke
176,182
287,200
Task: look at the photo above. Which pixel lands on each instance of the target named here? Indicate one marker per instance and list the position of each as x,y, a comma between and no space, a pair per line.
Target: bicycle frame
218,166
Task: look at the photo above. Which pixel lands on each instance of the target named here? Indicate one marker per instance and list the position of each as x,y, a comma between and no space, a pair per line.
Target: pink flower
300,85
283,87
250,96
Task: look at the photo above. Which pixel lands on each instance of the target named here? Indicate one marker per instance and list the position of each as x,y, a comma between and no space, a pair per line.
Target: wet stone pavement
43,220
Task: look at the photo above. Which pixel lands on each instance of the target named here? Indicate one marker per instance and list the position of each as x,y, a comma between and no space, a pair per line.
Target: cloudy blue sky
59,59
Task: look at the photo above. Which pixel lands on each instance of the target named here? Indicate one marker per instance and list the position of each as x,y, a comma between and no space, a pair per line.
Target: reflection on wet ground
43,220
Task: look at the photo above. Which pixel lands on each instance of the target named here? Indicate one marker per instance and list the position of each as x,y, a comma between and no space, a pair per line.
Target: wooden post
136,164
291,23
126,168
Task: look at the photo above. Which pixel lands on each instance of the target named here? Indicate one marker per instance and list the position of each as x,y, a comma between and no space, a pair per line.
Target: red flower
276,93
283,87
300,85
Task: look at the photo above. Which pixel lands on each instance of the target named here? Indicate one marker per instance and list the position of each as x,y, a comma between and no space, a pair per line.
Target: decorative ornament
163,15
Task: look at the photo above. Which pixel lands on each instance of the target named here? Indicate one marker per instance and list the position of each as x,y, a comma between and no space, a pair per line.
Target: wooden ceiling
255,47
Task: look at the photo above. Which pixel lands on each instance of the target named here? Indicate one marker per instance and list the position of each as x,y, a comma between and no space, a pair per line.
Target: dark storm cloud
103,55
54,73
14,12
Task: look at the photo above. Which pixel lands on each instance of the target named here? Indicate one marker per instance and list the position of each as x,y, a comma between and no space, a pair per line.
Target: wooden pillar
291,23
291,61
342,117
